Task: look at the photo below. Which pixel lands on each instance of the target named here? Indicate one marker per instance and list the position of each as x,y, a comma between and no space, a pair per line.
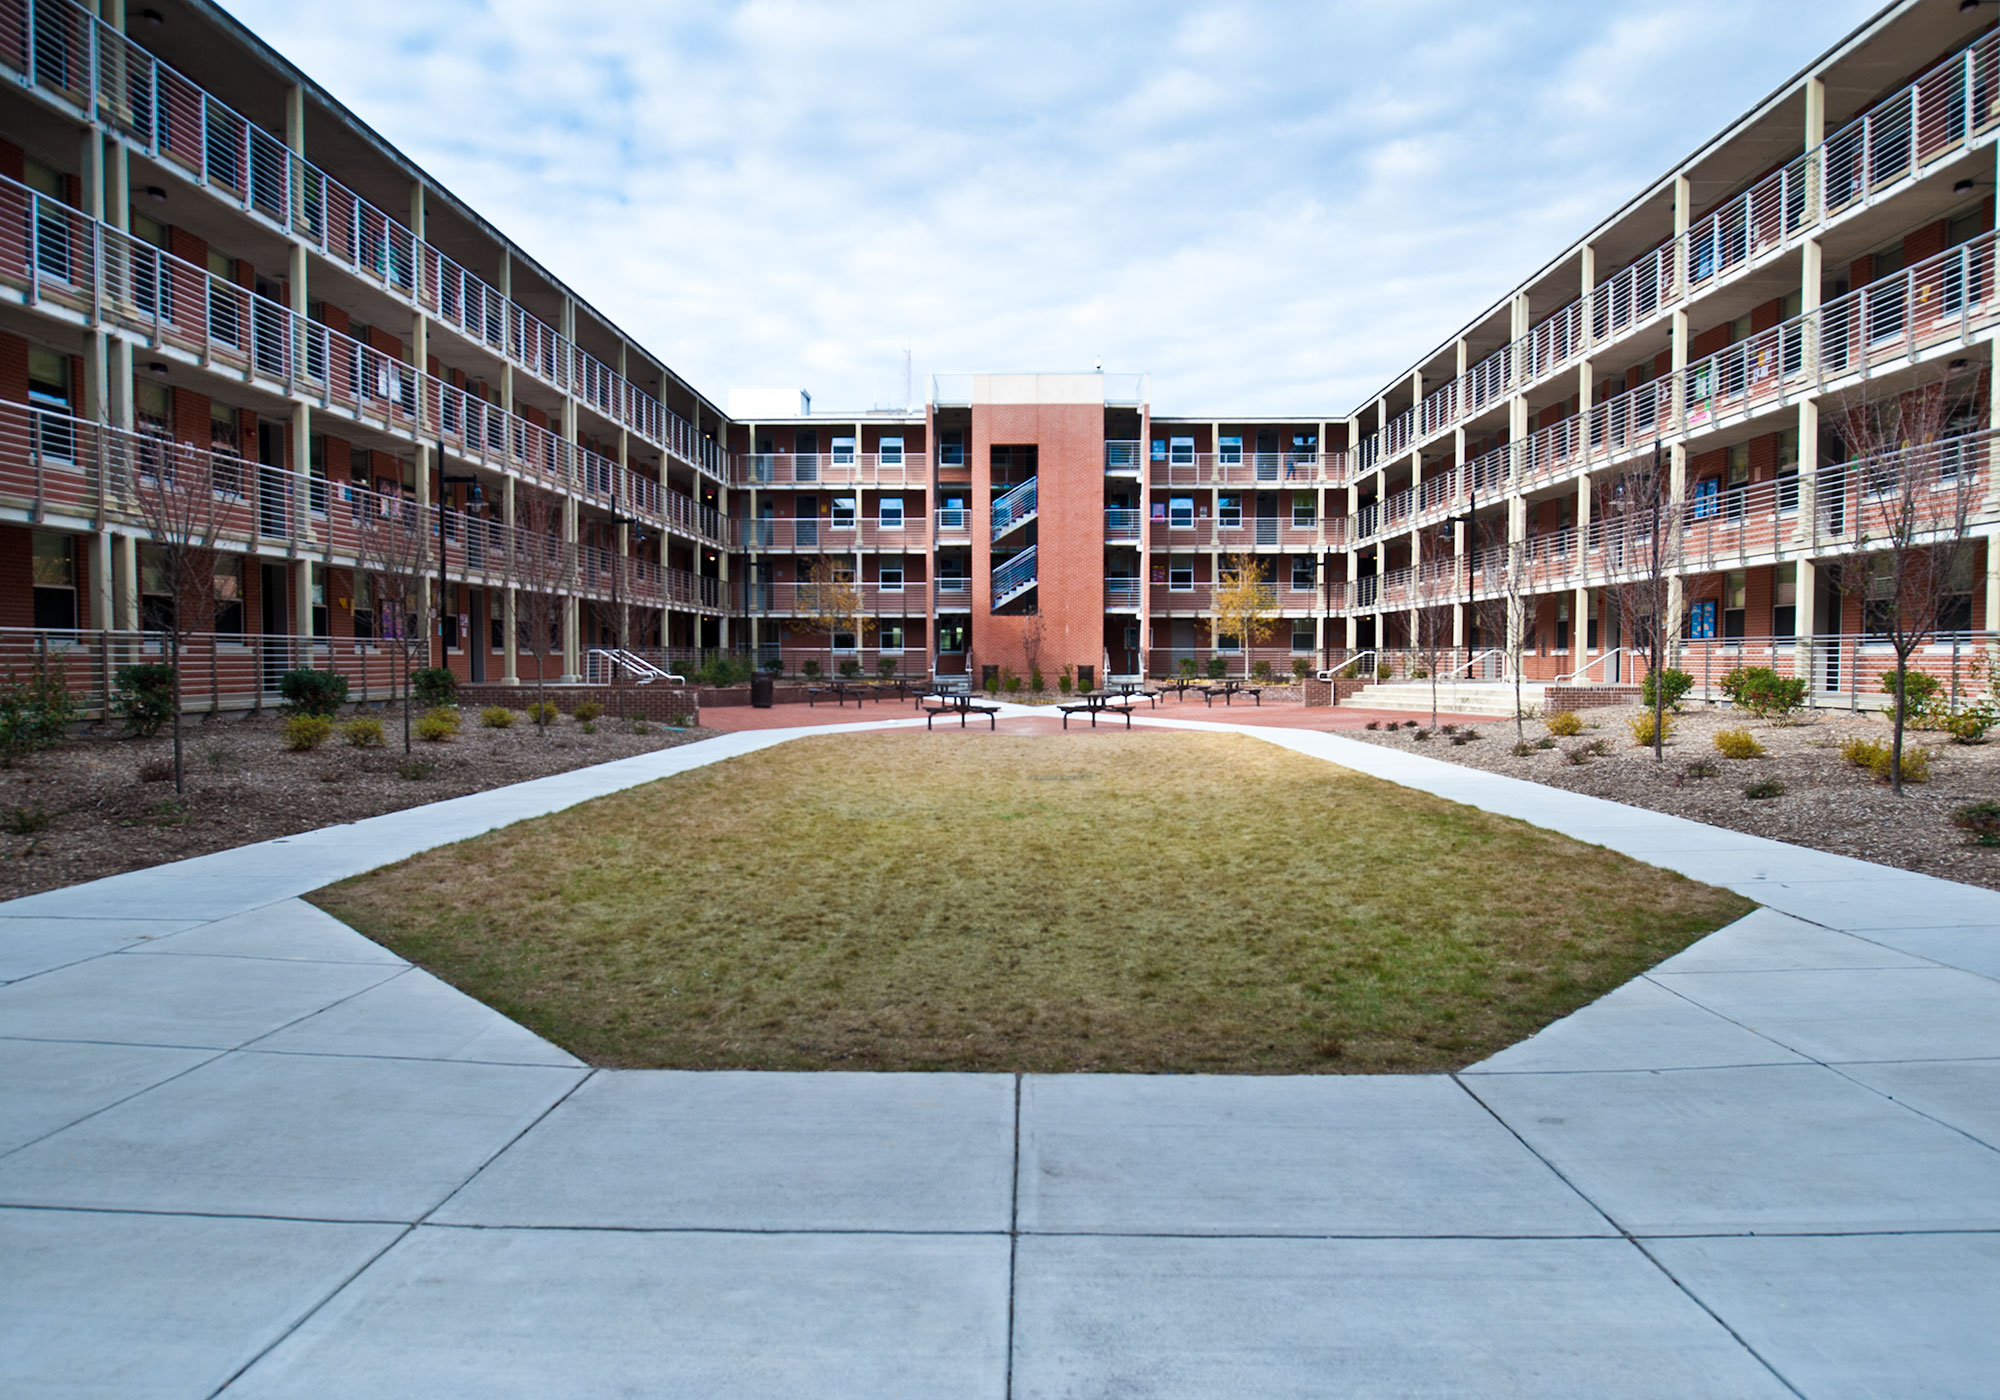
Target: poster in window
1701,621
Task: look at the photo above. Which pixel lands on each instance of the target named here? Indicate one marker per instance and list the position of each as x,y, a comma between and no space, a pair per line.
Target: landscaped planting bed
105,803
1826,802
1097,901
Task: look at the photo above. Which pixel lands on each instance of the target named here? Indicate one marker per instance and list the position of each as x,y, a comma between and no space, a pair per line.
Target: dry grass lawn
1114,901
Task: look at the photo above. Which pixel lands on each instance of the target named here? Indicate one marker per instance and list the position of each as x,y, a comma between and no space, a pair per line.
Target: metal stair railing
1017,507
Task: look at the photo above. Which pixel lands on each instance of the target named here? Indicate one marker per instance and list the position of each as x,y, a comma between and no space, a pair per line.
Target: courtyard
1125,901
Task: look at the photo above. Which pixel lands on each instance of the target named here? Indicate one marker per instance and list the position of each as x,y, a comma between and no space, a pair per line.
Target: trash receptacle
763,690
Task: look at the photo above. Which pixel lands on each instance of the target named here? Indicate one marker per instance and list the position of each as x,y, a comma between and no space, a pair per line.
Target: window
1302,573
1562,624
1739,480
845,641
891,638
890,449
1225,641
1182,452
1784,603
55,581
51,231
891,576
892,512
364,609
1231,451
843,513
223,442
48,394
951,638
1954,612
1180,573
156,595
1180,513
952,577
224,324
1707,492
951,516
843,450
1878,604
951,450
1302,637
1229,513
229,595
1305,510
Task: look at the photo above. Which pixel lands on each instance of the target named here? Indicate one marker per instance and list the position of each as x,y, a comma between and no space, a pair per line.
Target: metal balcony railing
1121,524
1015,508
1013,577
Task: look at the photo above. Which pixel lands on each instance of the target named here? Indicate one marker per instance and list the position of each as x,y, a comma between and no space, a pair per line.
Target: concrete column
1805,575
302,588
1587,276
1517,531
125,583
572,619
1580,608
1461,544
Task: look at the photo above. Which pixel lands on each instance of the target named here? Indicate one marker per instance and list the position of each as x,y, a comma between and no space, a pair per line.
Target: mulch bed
105,803
1827,804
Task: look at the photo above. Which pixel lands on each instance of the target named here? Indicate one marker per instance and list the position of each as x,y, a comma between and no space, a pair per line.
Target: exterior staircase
1462,698
1016,508
1013,577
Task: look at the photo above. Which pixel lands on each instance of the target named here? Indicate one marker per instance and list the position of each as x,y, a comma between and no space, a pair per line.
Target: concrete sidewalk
244,1150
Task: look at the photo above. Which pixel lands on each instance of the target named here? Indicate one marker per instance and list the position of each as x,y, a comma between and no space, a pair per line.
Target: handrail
1469,664
625,661
1586,666
1333,673
1014,576
1016,507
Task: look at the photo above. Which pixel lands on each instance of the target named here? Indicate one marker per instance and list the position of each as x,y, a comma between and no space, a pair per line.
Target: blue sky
1270,208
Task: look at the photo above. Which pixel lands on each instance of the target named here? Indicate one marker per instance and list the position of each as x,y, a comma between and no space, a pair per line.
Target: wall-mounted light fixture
156,194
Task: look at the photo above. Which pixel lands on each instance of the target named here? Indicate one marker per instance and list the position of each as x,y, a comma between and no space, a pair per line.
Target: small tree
1436,587
830,600
175,493
1033,632
1244,605
1640,522
1909,487
393,547
1503,612
541,568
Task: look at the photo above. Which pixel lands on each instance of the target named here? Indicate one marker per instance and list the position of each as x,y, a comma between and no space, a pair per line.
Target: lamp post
1469,520
617,606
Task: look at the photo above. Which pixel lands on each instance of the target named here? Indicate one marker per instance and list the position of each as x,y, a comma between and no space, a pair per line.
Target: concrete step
1465,698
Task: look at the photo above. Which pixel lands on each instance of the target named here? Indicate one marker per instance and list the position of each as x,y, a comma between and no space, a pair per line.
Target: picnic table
1228,690
1098,702
952,703
1181,685
839,690
1131,689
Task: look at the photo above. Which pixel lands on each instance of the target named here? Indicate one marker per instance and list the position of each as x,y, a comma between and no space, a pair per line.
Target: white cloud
1273,208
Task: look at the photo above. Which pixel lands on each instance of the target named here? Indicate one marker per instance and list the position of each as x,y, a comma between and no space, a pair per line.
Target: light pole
445,482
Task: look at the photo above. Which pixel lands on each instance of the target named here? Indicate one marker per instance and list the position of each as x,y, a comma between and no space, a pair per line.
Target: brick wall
653,702
1561,699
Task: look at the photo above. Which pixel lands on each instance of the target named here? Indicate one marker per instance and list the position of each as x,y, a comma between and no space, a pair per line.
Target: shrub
143,696
438,726
1565,724
310,692
362,733
1764,791
1063,682
1737,743
1218,667
639,726
1524,749
1374,724
1262,670
589,726
1875,756
1599,747
35,713
586,711
810,669
1547,741
415,768
775,665
1576,755
1458,740
543,712
885,667
303,733
1919,690
991,685
1673,685
1013,685
26,821
1384,671
1642,728
1422,734
1187,667
434,687
1979,820
1035,682
850,668
725,671
1448,728
1970,725
1418,673
1699,768
497,717
1300,666
1763,692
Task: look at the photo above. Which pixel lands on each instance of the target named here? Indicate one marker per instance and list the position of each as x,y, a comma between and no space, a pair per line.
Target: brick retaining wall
660,703
1560,699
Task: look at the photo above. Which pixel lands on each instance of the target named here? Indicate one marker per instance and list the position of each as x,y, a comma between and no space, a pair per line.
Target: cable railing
840,533
1241,468
832,469
58,47
1014,576
1014,507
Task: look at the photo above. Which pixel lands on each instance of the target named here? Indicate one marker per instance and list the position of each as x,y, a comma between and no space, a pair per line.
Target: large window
1230,451
843,450
1229,513
843,513
55,580
951,638
48,392
156,595
890,451
892,513
1302,573
1180,573
1302,637
1181,450
1305,510
890,579
891,637
1180,513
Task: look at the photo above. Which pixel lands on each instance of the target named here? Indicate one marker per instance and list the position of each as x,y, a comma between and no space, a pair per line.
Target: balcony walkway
243,1149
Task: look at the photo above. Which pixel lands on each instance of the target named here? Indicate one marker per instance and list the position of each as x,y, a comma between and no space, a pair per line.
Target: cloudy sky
1271,208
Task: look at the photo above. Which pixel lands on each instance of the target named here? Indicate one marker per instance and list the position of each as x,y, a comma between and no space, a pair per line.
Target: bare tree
1244,604
175,491
393,547
1907,492
541,568
1502,614
1641,528
1034,631
1436,588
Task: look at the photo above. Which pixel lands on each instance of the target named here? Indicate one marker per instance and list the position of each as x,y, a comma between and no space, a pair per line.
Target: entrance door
808,522
1267,517
474,640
